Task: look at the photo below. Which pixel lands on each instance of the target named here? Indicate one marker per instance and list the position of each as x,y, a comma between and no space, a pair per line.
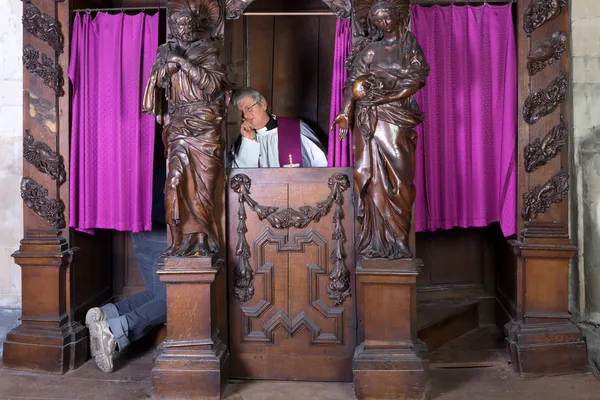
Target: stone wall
585,170
11,144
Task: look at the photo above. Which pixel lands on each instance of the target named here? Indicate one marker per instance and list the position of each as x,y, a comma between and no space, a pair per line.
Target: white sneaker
104,344
95,314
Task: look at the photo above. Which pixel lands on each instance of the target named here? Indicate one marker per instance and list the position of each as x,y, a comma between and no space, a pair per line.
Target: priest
268,141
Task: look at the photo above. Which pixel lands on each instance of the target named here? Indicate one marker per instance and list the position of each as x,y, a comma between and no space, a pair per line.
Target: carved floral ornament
42,26
341,8
541,151
547,52
540,12
545,101
43,158
36,198
45,68
539,199
338,288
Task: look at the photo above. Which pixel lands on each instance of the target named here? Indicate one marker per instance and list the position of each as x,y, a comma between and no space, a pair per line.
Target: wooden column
390,363
542,339
194,361
49,338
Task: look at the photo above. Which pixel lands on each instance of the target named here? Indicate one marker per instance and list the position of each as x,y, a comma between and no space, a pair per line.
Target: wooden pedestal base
194,362
390,363
546,349
47,340
542,340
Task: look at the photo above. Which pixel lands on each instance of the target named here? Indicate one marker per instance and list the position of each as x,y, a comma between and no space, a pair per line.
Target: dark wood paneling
289,59
291,268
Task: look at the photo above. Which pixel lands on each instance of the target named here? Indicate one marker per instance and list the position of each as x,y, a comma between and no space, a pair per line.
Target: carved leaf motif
235,8
539,199
543,150
341,8
43,27
42,157
339,284
36,198
45,69
547,52
545,101
540,12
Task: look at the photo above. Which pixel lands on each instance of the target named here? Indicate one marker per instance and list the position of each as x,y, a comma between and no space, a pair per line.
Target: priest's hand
247,131
343,120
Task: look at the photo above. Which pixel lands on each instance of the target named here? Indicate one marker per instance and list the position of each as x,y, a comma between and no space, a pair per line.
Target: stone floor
131,380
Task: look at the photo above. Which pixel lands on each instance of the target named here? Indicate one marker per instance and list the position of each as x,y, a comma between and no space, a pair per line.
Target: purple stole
288,141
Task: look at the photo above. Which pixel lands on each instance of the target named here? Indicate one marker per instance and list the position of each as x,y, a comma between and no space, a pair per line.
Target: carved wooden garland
545,101
547,52
36,198
42,157
43,27
540,12
539,199
235,8
338,288
45,69
543,150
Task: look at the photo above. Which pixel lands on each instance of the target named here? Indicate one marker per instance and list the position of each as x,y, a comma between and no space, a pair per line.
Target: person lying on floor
115,326
268,141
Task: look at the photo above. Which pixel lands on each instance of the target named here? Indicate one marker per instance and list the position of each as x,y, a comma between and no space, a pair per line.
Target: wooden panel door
290,328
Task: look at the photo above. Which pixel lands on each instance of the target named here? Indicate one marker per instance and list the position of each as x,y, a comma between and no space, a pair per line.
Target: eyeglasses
249,108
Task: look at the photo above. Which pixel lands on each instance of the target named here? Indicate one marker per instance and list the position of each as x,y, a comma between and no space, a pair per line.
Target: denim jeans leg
142,311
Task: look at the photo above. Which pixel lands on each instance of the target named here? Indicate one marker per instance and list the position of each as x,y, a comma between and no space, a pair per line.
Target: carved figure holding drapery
196,88
386,69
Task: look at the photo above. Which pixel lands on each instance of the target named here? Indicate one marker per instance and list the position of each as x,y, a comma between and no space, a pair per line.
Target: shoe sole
102,357
91,317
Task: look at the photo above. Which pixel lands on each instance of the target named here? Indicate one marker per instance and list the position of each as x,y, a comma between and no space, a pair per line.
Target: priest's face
253,112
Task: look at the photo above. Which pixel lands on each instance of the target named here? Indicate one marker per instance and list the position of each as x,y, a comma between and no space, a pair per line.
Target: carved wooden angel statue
197,91
383,76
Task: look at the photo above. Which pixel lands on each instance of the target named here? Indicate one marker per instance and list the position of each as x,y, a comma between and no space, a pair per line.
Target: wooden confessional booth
474,298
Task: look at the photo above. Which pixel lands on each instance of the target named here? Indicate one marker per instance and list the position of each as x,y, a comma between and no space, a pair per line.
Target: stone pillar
390,363
585,181
194,361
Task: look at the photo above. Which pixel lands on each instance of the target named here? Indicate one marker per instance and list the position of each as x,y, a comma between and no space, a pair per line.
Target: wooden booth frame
63,274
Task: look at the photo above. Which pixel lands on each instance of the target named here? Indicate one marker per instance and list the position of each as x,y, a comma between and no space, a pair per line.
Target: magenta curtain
112,142
466,152
339,154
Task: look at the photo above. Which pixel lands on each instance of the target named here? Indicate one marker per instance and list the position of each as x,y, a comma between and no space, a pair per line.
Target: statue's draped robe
193,135
385,149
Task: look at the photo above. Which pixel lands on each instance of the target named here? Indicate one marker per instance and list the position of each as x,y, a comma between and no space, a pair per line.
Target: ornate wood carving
545,101
396,71
188,74
235,8
266,331
42,26
540,12
541,197
547,52
41,156
341,8
36,198
339,285
543,150
45,69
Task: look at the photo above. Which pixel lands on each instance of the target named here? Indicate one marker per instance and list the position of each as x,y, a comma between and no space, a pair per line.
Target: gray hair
239,94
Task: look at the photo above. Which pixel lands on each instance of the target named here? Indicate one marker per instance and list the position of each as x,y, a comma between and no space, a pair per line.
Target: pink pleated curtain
466,151
340,152
112,142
